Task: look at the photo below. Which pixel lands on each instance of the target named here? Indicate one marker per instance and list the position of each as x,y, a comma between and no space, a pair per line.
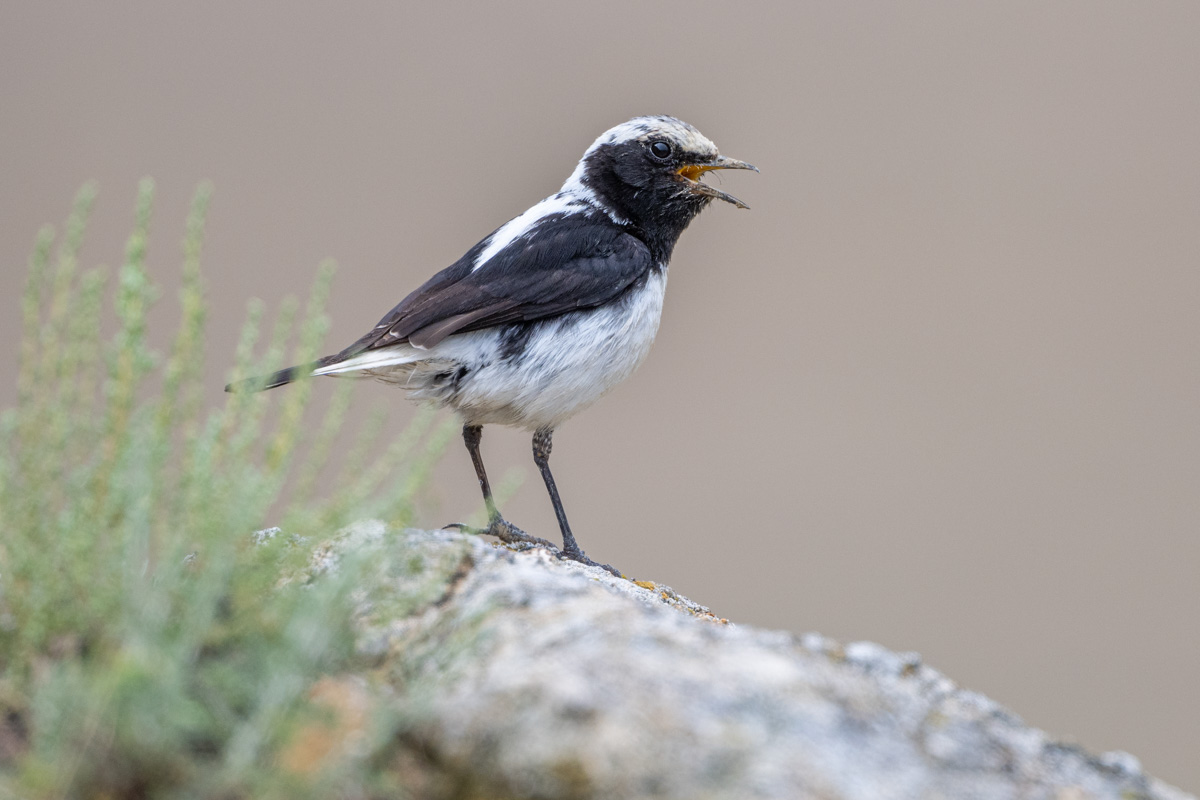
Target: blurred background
952,403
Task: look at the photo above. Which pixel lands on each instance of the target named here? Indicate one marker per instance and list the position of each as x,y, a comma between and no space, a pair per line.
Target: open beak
692,172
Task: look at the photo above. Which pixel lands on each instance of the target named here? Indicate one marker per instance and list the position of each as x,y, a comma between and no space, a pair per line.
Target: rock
526,676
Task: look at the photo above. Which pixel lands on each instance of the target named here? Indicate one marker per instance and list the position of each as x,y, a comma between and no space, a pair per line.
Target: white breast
567,365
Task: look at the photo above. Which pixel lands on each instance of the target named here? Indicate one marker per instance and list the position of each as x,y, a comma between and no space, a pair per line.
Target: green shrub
149,645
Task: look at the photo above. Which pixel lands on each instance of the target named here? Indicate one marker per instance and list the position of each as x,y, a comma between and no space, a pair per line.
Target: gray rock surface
537,678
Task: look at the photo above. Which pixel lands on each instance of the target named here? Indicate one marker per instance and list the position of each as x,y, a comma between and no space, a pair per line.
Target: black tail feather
279,378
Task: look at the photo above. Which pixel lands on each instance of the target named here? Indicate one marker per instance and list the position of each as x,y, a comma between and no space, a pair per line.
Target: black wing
566,262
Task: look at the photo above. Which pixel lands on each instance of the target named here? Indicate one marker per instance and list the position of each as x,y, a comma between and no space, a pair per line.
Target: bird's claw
576,554
508,533
505,531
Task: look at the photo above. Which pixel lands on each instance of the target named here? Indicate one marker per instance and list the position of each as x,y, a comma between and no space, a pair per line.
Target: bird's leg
541,457
472,435
499,527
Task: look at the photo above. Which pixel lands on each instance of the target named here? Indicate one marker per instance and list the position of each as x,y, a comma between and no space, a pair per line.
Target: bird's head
650,171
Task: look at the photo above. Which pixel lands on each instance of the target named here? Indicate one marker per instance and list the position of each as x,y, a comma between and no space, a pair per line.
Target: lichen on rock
524,675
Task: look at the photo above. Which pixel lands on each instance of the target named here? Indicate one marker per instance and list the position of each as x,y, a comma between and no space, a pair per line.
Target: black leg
497,525
472,434
541,456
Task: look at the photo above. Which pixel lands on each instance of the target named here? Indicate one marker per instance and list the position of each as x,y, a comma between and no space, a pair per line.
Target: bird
551,310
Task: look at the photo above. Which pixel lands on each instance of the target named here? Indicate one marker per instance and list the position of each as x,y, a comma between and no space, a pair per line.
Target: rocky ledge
529,677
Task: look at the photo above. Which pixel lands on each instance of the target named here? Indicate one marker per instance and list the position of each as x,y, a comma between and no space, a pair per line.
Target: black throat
651,199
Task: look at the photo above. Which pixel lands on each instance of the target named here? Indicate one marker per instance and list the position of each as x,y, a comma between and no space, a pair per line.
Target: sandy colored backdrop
952,402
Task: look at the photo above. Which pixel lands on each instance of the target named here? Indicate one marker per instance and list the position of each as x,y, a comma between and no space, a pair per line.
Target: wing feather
561,263
565,263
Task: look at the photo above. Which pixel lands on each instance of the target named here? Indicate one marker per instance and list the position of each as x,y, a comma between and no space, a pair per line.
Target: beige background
940,388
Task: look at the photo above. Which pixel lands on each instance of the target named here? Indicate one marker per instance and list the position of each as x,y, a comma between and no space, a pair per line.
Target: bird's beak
692,172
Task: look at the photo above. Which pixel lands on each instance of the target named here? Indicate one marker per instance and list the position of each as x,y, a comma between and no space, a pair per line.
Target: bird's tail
279,378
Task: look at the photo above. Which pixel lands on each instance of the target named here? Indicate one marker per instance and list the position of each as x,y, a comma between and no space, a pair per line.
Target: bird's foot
577,554
505,531
508,533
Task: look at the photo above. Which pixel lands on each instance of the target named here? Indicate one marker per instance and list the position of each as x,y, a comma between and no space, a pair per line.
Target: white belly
566,365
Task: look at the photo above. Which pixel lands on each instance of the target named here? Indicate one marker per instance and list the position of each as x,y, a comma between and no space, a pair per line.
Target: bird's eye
660,150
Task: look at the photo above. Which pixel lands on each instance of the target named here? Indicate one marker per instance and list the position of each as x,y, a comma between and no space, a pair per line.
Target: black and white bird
552,309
